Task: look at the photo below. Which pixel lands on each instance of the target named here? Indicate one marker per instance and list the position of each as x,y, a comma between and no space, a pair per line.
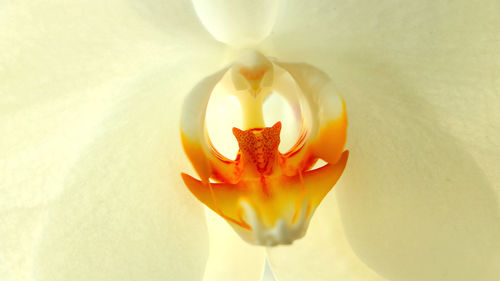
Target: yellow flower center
267,196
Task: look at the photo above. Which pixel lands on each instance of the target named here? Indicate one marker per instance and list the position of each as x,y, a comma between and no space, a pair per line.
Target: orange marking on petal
262,183
196,155
320,181
253,74
212,165
300,199
331,139
221,198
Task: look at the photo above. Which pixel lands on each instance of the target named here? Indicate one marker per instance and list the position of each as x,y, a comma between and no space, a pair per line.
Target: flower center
258,149
268,197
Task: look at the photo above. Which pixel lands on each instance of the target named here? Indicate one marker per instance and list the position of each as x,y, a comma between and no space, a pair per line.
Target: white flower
90,154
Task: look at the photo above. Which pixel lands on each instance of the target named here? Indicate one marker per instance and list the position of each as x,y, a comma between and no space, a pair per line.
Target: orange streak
331,139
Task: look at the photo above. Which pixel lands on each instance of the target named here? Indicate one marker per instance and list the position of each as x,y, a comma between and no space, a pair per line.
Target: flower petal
327,108
61,61
193,129
52,49
229,255
124,202
412,196
42,143
238,22
419,198
323,254
63,66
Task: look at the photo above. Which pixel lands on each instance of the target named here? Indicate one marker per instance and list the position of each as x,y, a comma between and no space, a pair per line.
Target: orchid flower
119,117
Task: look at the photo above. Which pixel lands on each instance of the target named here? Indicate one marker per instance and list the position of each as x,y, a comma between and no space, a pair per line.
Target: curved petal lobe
238,22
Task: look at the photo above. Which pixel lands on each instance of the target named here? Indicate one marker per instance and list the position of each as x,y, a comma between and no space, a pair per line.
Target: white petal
62,66
323,254
41,144
19,231
415,203
229,256
238,22
54,48
124,213
420,196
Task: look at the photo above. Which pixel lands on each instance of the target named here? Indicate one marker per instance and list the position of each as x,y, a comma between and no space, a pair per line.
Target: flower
267,196
91,97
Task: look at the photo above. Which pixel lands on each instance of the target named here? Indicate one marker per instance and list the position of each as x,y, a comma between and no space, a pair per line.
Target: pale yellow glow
90,99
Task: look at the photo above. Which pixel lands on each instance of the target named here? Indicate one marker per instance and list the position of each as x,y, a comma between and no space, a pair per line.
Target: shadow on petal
414,203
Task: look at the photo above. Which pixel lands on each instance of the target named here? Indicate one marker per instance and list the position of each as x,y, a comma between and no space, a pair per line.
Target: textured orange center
259,148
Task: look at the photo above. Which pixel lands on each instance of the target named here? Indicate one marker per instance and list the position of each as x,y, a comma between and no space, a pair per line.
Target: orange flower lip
268,197
262,183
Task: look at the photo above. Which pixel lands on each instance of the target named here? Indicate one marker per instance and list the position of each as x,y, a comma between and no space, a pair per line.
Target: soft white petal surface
323,254
63,66
238,22
124,213
419,198
415,204
229,256
449,50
